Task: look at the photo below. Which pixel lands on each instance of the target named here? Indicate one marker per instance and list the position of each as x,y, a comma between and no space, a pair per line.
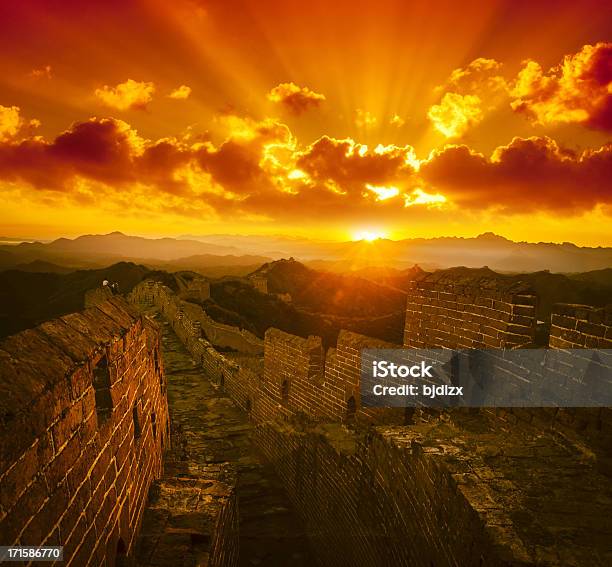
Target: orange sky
395,118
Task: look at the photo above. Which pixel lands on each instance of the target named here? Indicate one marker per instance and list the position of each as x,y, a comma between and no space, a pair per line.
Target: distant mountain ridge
95,251
117,243
487,249
330,293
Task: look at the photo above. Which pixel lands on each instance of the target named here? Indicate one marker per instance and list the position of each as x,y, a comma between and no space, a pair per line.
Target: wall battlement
154,293
461,313
85,419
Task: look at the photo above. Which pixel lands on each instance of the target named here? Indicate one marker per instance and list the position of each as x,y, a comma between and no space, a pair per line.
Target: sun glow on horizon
369,235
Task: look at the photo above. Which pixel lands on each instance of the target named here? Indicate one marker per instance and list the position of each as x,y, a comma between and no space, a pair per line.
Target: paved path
208,432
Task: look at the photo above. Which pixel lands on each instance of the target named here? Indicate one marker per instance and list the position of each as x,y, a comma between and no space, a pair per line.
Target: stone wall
453,488
85,419
461,314
97,295
442,493
298,376
197,289
219,334
260,283
380,499
581,326
301,378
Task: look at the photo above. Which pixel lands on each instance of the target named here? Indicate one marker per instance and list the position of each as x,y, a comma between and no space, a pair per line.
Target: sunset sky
323,119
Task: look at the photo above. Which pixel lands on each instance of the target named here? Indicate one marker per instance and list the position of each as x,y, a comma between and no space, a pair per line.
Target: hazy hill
212,265
92,249
98,251
488,249
28,298
118,243
391,277
43,267
236,302
329,293
321,303
601,277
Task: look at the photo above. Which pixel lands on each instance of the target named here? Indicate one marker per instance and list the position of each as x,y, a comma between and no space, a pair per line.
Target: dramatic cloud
296,99
259,169
578,90
127,96
524,176
364,119
180,93
469,94
344,166
107,151
455,114
480,75
10,121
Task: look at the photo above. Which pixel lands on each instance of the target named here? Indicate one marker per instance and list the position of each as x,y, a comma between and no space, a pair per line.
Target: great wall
519,486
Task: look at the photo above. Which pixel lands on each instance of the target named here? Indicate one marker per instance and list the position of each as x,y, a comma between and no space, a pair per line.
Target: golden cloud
578,90
180,93
456,114
10,122
130,95
480,75
468,95
259,169
296,99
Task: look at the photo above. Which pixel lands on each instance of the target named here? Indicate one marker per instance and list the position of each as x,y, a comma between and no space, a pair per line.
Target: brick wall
97,295
420,495
378,499
444,314
577,327
298,377
150,292
460,313
302,379
581,326
85,419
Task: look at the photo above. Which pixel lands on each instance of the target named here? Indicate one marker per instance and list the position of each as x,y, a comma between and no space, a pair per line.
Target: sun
369,235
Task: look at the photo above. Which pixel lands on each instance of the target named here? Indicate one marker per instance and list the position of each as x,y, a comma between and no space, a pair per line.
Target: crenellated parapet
84,423
469,312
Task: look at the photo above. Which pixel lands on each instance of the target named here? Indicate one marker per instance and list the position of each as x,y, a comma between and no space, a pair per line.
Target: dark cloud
260,170
525,176
296,99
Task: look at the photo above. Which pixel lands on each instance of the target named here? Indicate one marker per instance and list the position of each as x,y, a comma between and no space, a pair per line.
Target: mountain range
217,255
